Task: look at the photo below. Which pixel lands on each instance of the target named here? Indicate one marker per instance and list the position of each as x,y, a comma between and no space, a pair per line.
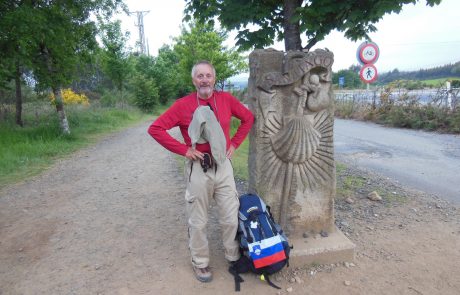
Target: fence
441,97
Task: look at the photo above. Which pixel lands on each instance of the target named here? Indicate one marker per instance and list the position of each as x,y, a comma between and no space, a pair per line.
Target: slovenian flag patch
267,251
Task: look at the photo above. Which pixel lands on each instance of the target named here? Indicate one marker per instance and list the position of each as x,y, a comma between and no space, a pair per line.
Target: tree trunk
60,110
17,80
291,30
57,94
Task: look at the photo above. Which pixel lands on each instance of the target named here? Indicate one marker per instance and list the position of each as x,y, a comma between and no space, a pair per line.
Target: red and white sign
368,73
368,53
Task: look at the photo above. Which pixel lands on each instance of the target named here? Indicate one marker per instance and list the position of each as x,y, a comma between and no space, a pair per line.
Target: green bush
454,121
405,112
145,92
422,117
109,98
455,83
345,109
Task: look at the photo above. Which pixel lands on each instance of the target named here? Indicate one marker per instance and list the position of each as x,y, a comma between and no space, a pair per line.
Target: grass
240,161
397,114
240,157
29,150
340,168
391,198
348,185
438,82
351,185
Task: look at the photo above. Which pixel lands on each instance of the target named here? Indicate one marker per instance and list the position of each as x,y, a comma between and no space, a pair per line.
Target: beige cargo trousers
218,184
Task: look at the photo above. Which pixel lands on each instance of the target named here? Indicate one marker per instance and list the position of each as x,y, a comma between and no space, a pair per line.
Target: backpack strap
272,225
191,169
267,278
250,236
238,279
260,230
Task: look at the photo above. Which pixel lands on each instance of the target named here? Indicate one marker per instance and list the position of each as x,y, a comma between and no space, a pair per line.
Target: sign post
341,81
367,54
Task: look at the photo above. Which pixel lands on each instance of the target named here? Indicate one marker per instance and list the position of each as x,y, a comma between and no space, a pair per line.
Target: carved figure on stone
297,127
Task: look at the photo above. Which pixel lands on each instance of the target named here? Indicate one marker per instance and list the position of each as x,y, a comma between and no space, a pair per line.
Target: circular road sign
368,53
368,73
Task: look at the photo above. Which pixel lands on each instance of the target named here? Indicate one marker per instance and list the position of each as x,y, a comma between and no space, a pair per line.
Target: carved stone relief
293,159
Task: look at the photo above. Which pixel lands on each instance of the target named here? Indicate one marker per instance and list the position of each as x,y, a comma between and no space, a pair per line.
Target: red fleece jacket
181,112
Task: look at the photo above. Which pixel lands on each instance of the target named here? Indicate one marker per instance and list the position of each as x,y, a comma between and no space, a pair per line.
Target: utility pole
140,25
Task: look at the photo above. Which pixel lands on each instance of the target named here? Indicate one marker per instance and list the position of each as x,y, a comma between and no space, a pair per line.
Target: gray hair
203,62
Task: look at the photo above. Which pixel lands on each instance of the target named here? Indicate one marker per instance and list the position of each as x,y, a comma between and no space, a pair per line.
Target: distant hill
446,71
239,82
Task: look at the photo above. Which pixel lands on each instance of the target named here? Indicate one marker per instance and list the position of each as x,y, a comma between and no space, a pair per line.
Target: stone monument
291,157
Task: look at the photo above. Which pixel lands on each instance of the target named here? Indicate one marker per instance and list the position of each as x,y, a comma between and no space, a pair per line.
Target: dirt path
110,220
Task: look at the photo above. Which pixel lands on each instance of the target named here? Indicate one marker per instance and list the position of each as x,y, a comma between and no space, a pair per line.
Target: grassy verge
356,184
398,114
240,157
438,82
27,151
240,161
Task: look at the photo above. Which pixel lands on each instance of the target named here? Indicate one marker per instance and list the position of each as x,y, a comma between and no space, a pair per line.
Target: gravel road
426,161
110,220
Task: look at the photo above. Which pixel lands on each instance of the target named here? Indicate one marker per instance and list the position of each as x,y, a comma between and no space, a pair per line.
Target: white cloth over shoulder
205,128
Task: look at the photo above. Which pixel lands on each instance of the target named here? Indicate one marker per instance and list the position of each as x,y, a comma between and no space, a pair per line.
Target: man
206,180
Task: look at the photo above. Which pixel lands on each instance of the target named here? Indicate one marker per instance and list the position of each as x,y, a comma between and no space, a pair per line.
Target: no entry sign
368,53
368,73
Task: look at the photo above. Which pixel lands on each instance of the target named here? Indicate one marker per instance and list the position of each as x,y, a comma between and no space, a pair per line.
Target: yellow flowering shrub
70,97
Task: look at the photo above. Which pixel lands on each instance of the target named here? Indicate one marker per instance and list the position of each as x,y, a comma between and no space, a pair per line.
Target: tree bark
17,81
57,94
60,110
291,29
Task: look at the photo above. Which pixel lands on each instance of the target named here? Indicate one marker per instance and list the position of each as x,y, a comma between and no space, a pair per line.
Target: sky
419,37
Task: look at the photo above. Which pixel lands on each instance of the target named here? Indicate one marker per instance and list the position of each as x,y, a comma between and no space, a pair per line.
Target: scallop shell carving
297,141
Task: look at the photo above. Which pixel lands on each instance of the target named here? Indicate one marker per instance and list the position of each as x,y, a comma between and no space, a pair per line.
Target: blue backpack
264,247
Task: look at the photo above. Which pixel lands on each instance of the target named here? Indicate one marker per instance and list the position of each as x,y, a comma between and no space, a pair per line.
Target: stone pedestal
291,154
336,247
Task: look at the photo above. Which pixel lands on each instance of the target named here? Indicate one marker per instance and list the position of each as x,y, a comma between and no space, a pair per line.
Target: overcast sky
419,37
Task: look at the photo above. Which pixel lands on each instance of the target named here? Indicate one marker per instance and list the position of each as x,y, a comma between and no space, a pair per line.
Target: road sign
368,53
368,73
341,81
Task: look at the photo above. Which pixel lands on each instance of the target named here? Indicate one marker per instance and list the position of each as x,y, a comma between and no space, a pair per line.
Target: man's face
204,80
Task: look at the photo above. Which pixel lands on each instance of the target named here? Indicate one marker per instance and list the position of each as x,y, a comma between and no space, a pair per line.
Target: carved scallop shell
297,141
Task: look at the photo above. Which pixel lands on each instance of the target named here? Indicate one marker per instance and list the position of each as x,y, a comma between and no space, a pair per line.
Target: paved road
425,161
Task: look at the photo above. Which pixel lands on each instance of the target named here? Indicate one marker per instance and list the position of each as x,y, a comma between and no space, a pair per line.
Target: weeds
28,150
404,112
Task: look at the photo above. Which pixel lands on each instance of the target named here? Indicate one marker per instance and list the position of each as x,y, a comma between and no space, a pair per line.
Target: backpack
263,245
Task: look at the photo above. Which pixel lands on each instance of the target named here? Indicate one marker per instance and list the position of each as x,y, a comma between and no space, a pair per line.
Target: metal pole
140,24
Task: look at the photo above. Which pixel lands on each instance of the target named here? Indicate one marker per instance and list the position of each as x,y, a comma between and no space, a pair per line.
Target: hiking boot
203,274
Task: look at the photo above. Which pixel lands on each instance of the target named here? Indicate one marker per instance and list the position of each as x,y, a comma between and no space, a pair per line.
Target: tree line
51,45
445,71
409,79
